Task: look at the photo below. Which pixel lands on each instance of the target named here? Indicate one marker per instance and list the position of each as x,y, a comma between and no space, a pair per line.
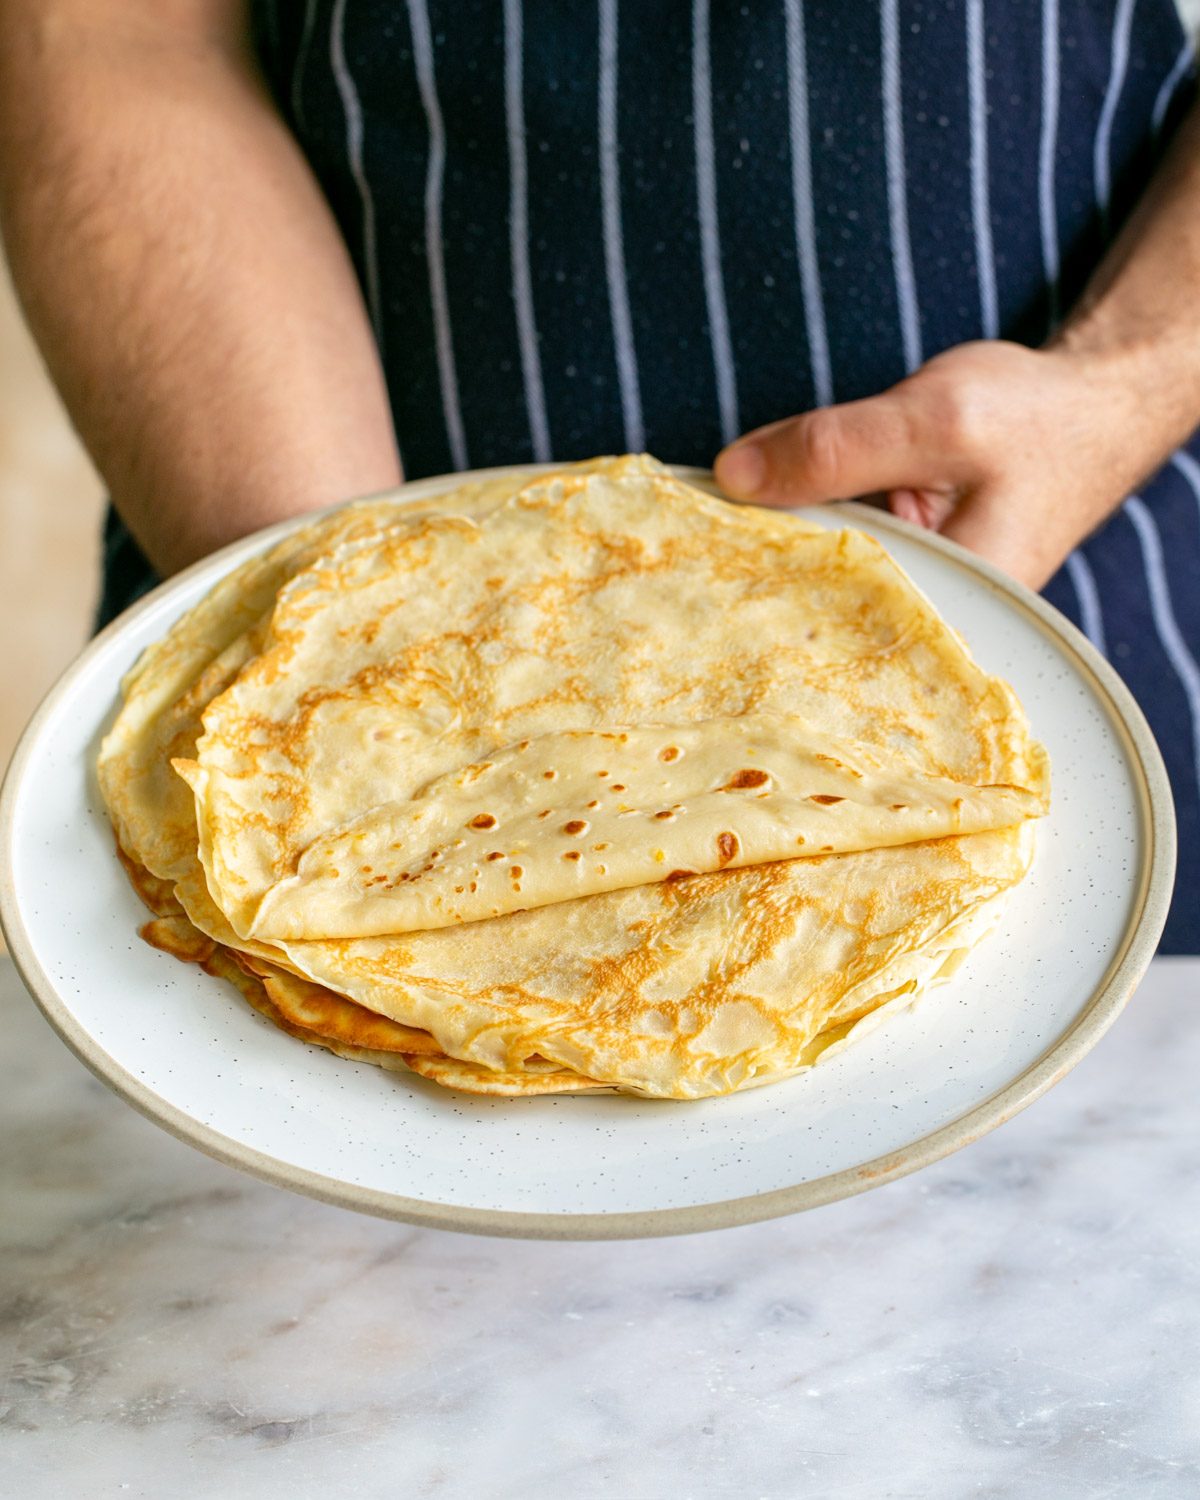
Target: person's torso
655,225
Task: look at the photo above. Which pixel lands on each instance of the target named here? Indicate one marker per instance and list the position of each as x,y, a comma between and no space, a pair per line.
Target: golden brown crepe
604,678
752,788
321,1018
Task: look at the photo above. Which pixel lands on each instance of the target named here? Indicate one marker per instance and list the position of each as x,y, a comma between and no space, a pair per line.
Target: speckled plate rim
1154,884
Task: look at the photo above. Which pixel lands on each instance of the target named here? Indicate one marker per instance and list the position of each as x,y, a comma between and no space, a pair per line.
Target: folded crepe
586,776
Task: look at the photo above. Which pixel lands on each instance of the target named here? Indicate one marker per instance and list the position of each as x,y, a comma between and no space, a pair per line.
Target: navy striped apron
654,225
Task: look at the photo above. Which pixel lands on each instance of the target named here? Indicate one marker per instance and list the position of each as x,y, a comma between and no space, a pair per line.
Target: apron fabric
656,225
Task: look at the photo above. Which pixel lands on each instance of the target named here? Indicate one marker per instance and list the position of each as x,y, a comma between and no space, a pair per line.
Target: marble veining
1020,1321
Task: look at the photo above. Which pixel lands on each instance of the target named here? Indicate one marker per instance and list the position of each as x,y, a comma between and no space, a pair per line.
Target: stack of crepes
572,781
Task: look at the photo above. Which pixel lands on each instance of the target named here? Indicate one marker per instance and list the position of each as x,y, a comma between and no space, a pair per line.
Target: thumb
835,453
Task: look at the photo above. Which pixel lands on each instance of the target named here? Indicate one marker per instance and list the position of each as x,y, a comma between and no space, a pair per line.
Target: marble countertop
1021,1320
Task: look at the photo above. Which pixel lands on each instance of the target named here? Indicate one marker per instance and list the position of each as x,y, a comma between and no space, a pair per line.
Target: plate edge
1106,1003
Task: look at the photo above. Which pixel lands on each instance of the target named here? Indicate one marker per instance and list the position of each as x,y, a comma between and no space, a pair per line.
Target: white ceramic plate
1032,999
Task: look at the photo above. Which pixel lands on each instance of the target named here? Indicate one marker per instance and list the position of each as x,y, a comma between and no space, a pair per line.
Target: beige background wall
50,508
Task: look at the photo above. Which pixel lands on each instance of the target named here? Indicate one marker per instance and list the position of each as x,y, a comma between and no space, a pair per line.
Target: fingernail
741,470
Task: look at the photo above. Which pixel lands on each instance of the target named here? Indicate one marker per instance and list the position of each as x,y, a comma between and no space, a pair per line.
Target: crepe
680,799
686,988
848,798
318,1016
177,677
605,678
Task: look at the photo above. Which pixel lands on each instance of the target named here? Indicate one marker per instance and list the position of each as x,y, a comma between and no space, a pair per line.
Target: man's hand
1019,453
1016,453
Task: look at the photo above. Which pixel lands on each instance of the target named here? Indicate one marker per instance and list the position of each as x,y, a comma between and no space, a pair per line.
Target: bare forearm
1138,322
182,272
